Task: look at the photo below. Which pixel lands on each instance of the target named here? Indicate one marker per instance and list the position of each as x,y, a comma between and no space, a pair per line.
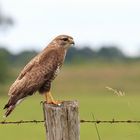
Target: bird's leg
50,99
47,97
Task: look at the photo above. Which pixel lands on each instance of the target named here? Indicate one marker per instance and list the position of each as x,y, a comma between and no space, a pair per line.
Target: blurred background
106,54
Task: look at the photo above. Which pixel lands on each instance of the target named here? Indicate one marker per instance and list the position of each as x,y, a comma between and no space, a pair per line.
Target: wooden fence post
62,122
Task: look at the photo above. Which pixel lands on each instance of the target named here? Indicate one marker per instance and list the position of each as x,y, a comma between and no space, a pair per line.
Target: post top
64,104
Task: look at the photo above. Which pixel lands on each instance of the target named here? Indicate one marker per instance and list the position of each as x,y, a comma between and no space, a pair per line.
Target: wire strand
81,121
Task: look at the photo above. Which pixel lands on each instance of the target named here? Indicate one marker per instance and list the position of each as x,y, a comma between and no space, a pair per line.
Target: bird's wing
35,73
20,82
28,67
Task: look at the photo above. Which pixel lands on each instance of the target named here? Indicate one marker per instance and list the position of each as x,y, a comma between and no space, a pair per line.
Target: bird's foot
50,99
58,103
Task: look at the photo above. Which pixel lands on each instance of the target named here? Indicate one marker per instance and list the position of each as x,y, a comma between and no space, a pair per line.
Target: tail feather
11,105
6,106
9,110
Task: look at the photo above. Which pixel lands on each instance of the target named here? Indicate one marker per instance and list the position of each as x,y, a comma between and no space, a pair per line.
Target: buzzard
38,74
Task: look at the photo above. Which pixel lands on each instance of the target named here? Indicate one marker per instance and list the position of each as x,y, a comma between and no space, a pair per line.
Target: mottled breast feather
51,71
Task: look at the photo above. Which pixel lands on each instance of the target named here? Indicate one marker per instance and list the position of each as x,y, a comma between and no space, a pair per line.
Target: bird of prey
39,73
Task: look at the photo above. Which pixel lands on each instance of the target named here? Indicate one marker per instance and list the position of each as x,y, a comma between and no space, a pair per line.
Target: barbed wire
110,121
81,121
22,122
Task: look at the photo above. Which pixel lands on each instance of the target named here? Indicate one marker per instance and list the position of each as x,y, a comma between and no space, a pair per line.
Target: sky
89,22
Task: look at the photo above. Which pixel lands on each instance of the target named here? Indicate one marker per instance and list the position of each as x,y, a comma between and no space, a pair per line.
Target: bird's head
64,41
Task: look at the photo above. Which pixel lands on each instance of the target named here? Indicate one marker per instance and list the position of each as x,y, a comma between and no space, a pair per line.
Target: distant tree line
110,53
74,55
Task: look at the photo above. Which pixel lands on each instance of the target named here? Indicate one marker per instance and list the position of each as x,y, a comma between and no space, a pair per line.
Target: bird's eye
65,39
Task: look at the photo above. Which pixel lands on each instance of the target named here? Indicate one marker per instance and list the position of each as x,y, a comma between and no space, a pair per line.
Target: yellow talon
50,99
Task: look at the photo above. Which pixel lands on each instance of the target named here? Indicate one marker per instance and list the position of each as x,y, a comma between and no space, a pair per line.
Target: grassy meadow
85,83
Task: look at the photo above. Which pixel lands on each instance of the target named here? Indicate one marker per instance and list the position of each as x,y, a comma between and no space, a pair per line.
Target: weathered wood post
62,122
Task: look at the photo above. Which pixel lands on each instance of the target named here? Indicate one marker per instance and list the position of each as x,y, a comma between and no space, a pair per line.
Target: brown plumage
38,74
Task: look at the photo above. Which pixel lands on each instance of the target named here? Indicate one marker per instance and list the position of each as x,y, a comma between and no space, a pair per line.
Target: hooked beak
72,42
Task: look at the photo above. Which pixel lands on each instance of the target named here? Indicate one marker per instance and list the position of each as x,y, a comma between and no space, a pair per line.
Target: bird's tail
9,109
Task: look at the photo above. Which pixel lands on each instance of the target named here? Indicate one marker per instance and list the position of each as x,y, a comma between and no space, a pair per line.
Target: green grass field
85,83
